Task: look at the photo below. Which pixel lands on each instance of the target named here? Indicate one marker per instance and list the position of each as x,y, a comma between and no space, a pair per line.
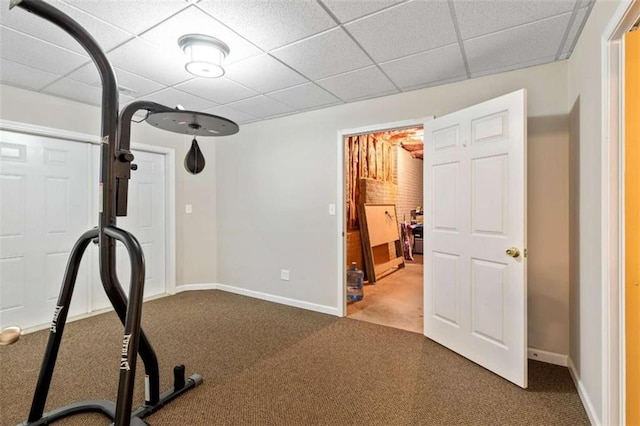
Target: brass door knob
513,252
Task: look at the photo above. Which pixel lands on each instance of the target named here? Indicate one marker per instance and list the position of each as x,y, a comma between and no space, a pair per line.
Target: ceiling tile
578,22
270,24
22,76
366,82
194,21
143,58
348,10
408,28
219,90
76,91
261,106
304,96
421,69
230,113
476,18
107,35
30,51
324,55
141,86
263,74
134,16
172,98
524,43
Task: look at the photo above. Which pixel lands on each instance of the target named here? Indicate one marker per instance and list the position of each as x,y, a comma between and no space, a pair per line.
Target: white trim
170,236
84,315
32,129
331,310
341,231
548,357
584,395
170,209
196,287
259,295
612,231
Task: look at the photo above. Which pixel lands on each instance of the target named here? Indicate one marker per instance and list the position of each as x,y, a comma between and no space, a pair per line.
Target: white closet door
475,287
146,220
44,202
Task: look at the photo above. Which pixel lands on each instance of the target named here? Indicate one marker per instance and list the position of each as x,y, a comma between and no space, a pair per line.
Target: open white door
475,287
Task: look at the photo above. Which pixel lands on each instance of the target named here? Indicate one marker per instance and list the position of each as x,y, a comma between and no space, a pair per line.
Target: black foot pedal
178,377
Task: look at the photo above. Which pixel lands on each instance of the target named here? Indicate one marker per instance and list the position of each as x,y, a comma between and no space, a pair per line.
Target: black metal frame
114,174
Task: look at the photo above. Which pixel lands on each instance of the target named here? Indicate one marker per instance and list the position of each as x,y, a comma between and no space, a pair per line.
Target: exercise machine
115,171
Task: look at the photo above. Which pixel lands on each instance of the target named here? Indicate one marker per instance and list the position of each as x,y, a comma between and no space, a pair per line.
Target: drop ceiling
287,56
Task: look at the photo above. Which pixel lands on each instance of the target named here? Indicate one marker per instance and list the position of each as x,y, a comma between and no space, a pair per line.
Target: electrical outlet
188,208
284,274
332,209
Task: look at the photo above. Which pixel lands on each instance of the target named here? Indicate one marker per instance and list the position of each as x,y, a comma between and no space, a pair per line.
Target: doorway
385,167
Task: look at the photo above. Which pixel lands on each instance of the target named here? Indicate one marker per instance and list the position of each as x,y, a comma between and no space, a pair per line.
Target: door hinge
525,252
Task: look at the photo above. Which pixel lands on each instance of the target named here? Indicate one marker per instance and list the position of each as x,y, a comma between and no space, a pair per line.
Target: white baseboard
548,357
192,287
95,312
259,295
279,299
584,396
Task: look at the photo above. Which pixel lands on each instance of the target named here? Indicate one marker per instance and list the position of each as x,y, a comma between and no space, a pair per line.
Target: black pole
124,155
129,351
57,325
115,166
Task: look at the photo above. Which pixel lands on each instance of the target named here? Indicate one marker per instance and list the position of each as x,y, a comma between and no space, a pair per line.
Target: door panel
489,196
43,193
475,192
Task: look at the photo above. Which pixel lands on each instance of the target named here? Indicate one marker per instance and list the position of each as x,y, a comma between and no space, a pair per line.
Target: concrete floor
395,300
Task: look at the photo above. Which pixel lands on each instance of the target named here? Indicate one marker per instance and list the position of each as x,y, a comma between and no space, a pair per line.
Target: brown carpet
269,364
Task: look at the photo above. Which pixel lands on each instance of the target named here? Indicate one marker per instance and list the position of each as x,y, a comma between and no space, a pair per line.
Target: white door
44,205
475,198
146,220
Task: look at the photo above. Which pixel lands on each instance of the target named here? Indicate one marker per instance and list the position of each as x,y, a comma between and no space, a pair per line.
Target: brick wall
409,178
378,192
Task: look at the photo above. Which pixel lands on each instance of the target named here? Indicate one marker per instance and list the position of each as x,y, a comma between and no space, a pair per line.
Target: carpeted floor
269,364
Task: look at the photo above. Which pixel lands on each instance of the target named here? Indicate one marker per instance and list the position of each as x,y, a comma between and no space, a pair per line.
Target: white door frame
612,232
341,231
170,209
170,166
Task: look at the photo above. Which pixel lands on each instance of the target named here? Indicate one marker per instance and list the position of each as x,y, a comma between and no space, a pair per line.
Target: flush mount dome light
204,54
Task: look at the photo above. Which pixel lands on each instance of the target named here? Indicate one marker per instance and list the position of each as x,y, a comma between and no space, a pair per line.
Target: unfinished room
318,212
384,223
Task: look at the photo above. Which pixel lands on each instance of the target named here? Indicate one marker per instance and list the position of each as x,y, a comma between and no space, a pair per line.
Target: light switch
188,208
332,209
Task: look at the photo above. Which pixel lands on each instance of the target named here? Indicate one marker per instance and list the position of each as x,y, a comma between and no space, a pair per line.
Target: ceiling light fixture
204,55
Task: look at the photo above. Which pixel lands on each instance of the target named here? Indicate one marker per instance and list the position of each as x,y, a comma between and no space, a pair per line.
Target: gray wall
195,233
276,178
585,104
